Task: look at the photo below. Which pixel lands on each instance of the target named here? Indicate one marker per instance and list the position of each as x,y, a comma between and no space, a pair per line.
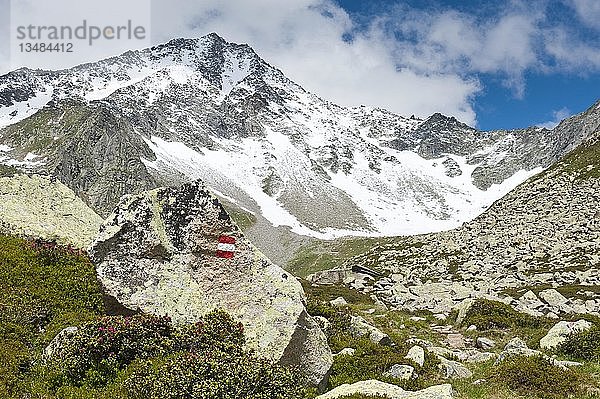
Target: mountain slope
544,233
205,108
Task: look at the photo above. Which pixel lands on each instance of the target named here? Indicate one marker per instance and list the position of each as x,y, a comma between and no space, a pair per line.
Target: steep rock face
158,251
37,206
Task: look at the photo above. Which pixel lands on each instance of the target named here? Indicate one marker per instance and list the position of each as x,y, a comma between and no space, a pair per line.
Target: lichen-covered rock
452,369
378,388
40,207
57,344
417,355
400,372
360,328
561,330
175,251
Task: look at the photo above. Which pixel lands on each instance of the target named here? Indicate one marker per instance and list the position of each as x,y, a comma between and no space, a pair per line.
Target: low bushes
536,375
488,315
583,345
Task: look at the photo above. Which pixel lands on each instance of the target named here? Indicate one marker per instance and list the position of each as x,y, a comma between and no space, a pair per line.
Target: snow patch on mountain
24,109
236,69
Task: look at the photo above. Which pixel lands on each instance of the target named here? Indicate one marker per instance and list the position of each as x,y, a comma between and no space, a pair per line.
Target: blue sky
492,64
547,91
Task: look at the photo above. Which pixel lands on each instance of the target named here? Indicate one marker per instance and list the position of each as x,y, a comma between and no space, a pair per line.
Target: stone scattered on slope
175,251
452,369
485,343
360,328
400,371
55,346
346,352
374,388
561,330
40,207
417,355
339,302
516,347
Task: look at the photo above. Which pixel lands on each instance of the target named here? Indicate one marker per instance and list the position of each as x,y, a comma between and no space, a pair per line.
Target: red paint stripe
227,240
225,254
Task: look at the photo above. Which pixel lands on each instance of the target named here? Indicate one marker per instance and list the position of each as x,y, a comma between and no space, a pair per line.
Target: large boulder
175,251
390,391
561,330
38,206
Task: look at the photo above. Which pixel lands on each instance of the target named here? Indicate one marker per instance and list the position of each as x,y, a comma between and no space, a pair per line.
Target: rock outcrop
37,206
175,251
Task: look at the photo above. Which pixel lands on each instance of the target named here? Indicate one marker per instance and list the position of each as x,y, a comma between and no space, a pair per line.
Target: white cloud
588,11
557,117
406,60
304,39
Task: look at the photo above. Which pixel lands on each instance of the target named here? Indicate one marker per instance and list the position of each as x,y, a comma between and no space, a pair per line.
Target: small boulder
485,343
463,308
452,369
346,352
553,298
417,355
400,371
360,328
338,302
456,340
55,346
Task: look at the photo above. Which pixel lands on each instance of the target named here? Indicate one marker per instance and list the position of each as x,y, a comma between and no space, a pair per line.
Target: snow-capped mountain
206,108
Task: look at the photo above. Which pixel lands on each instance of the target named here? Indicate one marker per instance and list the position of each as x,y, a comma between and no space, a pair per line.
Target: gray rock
560,331
485,343
360,328
378,388
329,277
463,308
515,344
400,371
346,352
417,355
474,356
159,252
452,369
456,340
553,297
55,346
338,302
41,207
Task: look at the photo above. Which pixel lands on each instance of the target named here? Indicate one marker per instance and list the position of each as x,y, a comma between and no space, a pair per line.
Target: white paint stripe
226,247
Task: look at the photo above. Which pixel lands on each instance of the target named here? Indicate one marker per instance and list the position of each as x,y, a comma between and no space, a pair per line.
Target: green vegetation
488,315
583,345
583,162
8,171
321,255
45,288
370,360
538,376
242,218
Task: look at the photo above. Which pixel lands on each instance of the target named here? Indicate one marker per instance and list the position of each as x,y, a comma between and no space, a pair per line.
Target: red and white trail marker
226,247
